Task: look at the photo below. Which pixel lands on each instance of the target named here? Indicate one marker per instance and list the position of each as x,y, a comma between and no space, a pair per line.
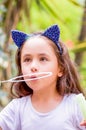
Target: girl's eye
27,60
43,59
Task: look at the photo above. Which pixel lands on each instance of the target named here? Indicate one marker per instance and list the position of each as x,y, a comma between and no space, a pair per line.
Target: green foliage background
64,13
37,15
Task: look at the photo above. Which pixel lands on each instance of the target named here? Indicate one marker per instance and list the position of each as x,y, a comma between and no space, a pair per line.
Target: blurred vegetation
33,15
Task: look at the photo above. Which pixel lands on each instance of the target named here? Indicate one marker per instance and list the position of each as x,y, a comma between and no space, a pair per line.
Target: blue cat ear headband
53,33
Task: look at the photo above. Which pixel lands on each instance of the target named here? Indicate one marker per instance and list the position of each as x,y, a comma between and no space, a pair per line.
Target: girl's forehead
36,41
37,44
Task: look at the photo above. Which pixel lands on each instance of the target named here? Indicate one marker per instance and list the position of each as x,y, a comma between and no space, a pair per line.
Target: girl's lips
33,77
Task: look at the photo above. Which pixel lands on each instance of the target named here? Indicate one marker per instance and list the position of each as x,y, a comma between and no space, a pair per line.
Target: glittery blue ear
53,33
19,37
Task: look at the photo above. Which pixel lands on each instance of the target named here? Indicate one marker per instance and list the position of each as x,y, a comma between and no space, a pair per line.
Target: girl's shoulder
22,98
21,101
17,103
70,99
13,111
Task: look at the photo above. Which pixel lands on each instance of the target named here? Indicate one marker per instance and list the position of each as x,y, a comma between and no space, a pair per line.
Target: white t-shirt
19,114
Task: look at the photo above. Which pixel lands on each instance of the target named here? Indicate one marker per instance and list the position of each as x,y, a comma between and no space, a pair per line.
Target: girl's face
37,55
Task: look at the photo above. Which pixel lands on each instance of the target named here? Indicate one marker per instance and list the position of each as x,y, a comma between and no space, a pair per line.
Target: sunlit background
34,15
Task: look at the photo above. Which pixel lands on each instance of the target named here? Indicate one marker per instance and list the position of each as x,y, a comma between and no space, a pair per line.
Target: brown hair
68,83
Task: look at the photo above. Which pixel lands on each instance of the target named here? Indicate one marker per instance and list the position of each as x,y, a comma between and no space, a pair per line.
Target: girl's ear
60,73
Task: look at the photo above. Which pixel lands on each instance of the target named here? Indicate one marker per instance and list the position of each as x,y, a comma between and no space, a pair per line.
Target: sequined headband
52,33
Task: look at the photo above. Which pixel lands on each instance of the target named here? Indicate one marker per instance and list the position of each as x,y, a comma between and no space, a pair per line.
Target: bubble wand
33,76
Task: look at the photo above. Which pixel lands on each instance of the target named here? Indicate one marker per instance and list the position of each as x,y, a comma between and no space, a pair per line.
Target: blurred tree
82,37
10,14
10,20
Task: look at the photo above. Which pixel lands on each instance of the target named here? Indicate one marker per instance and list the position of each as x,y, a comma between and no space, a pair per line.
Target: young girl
49,102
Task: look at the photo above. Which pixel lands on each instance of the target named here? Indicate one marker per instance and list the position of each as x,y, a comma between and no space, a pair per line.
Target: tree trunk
82,38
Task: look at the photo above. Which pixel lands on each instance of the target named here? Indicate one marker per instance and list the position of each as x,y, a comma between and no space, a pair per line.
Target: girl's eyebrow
40,54
46,54
26,55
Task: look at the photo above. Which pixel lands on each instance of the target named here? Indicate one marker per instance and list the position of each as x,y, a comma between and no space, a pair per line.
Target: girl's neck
46,101
45,94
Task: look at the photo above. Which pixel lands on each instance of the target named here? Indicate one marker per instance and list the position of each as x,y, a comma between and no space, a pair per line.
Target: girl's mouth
33,77
36,76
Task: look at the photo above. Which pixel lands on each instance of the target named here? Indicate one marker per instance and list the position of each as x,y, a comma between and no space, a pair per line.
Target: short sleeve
79,117
8,117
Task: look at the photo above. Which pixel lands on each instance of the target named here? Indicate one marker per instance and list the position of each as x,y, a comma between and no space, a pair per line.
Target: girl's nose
33,69
34,66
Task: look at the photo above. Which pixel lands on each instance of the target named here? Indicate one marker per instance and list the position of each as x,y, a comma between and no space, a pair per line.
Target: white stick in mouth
30,77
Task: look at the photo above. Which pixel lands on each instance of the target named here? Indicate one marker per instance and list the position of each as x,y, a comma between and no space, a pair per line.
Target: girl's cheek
25,69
